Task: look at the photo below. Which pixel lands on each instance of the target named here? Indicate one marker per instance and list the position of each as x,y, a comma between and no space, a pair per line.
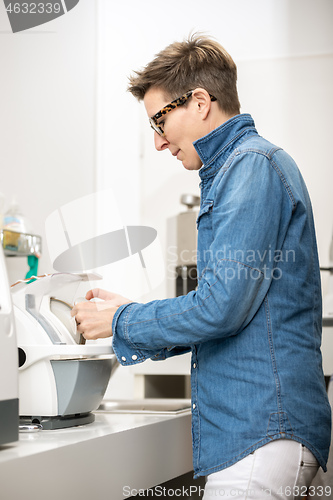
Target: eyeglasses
158,127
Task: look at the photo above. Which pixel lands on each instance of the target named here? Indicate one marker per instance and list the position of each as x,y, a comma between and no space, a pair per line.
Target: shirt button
134,357
194,406
194,365
123,358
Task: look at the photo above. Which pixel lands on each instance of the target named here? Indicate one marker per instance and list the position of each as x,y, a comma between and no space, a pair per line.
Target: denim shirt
254,323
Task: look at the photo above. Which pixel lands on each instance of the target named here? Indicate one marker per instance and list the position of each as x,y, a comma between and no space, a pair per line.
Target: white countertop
97,460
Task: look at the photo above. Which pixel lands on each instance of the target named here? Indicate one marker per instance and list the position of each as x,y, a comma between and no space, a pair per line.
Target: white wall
68,127
47,117
284,53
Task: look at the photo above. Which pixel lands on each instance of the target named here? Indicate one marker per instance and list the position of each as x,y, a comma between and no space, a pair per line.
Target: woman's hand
94,319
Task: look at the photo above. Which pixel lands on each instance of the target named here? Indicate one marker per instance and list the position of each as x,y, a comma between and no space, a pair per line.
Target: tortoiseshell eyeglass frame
158,127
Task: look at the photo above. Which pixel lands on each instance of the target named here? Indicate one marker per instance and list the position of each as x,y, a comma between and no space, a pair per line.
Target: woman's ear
202,101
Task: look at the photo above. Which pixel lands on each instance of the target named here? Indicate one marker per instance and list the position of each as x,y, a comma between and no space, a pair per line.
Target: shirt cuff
125,351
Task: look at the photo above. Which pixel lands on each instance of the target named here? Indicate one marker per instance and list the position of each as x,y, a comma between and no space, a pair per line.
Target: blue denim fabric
254,322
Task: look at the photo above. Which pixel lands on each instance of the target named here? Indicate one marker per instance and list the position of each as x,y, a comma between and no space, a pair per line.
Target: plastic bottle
14,220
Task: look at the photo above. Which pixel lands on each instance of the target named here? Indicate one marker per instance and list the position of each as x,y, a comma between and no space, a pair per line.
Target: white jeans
282,470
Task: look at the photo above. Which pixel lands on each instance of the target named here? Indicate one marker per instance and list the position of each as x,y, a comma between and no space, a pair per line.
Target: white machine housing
327,339
58,377
8,362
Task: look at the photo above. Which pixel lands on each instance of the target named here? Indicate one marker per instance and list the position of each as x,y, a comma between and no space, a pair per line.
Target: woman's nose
160,142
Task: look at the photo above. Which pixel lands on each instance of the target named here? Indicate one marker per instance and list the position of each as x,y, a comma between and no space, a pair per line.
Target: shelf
20,244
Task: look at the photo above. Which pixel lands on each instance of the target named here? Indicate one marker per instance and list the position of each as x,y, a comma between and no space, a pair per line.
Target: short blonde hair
182,66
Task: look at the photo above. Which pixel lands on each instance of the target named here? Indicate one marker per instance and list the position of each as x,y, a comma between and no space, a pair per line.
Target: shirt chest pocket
204,218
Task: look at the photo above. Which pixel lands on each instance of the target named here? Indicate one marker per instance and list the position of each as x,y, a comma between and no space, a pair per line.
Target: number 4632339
34,8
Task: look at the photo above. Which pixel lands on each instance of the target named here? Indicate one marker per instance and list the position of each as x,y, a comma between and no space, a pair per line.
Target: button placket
194,380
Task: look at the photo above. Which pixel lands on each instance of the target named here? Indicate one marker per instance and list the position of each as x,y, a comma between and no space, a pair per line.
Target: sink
146,406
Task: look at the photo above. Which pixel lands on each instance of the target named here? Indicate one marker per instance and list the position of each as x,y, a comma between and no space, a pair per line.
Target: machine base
59,421
9,421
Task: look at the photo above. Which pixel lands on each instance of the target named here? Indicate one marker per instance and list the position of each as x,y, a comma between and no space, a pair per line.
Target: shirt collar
220,141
